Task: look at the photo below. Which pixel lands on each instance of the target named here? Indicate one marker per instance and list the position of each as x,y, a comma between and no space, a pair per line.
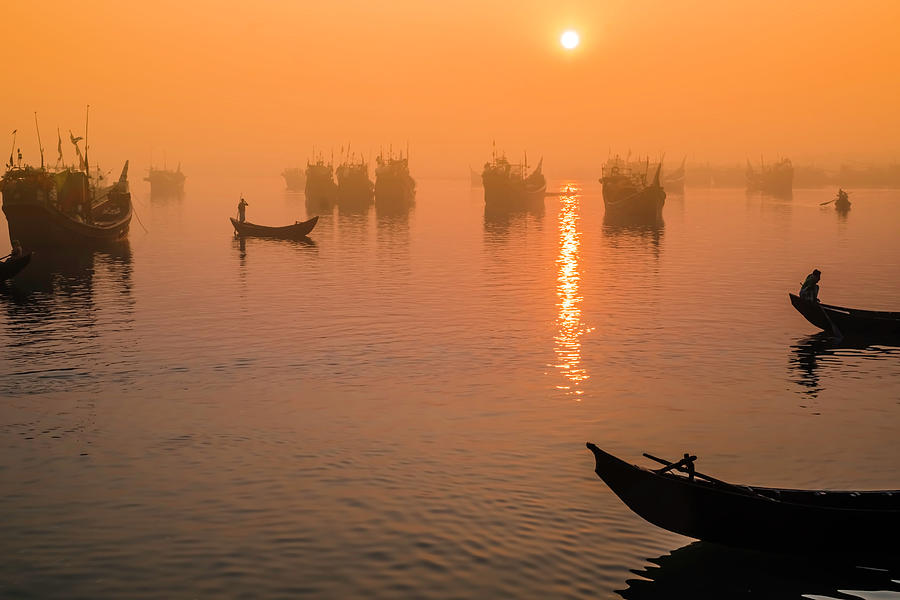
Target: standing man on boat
242,209
810,288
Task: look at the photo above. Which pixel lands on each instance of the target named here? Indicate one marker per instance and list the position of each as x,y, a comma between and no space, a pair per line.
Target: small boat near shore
299,229
769,519
842,322
13,265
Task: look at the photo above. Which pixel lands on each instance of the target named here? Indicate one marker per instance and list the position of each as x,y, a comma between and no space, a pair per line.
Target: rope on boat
134,210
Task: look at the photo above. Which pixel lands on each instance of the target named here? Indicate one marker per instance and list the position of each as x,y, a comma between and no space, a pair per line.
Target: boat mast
87,113
12,148
40,145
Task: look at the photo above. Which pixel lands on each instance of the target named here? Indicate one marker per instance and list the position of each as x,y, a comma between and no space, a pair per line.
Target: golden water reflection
570,327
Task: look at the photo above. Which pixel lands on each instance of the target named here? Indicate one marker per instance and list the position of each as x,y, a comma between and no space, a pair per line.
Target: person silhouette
242,209
810,288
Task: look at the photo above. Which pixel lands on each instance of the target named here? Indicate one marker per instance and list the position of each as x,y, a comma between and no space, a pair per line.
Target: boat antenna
40,145
11,161
87,114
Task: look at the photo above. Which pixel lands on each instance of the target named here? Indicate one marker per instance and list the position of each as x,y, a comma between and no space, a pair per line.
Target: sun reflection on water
569,325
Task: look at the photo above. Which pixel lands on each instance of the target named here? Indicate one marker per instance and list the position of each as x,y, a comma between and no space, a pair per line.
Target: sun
569,39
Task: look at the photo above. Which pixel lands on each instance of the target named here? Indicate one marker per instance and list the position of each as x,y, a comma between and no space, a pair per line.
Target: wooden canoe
297,230
771,519
13,265
849,322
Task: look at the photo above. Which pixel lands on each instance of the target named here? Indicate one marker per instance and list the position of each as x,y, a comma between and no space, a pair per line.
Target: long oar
828,202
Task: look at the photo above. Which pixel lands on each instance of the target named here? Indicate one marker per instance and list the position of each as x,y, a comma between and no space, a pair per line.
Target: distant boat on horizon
776,179
628,194
294,179
509,186
164,182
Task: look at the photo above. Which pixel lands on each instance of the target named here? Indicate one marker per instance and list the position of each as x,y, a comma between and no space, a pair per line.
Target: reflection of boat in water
165,183
511,187
294,179
813,352
776,179
784,520
704,571
394,186
297,230
320,188
849,322
626,192
635,232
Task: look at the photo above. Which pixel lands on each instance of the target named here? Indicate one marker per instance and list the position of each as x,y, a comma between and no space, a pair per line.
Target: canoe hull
297,230
35,225
13,266
849,322
759,518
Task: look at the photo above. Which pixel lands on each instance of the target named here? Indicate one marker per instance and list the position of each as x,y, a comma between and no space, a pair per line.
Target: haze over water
400,408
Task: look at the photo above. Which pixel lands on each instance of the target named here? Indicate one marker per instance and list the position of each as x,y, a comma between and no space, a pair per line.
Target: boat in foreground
297,230
13,265
771,519
842,322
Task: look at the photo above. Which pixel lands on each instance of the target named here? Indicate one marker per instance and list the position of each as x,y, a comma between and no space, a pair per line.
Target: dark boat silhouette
354,188
294,179
320,188
785,520
842,322
11,267
165,183
627,194
511,187
394,186
297,230
776,179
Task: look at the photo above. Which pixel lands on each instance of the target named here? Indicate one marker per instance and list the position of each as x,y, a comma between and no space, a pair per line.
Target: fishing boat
509,186
394,187
354,188
320,188
841,321
776,179
300,229
842,201
64,206
165,183
11,267
627,193
294,179
783,520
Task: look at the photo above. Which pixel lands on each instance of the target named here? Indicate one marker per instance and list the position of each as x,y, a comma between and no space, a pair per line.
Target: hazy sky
251,87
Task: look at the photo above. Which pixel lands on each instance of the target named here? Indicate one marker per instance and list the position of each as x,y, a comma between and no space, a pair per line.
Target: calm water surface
399,409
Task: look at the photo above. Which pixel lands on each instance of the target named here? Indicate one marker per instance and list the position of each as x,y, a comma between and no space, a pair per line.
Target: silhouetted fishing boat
842,201
297,230
13,265
394,186
354,188
64,206
511,187
320,188
165,183
294,179
841,321
626,192
784,520
776,179
61,208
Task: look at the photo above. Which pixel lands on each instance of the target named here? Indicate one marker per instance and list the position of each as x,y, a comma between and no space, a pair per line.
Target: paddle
678,466
827,202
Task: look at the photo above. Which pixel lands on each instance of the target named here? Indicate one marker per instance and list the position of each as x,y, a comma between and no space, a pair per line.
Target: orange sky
250,87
